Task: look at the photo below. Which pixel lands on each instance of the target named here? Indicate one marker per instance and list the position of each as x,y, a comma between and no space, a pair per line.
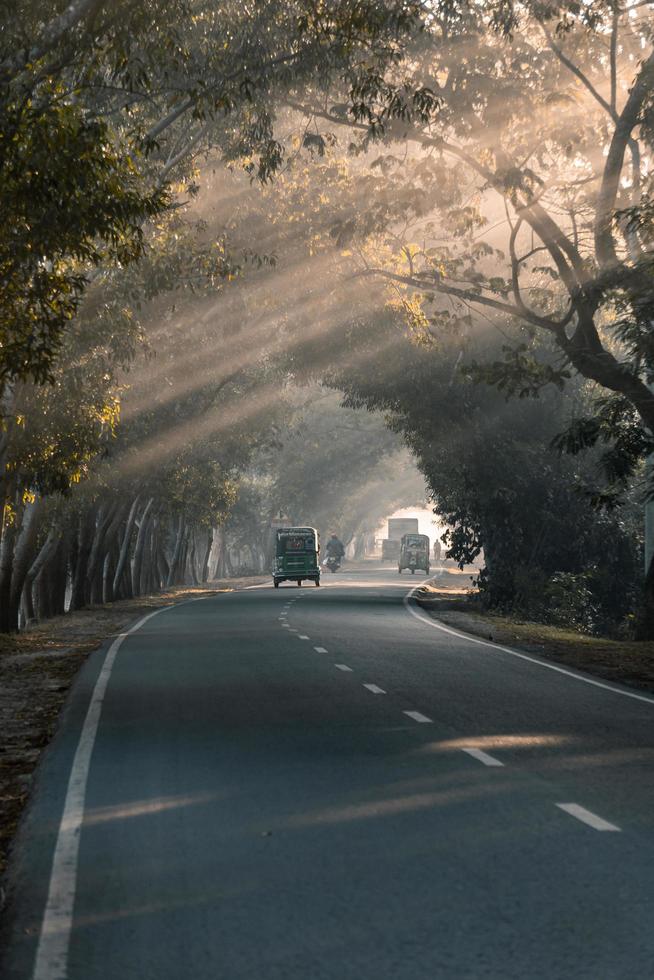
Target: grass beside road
451,600
37,668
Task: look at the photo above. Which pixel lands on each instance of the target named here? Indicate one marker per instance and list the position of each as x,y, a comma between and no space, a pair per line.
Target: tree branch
628,119
437,285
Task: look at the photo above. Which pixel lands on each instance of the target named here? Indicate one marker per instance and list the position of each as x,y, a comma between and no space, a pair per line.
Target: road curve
315,783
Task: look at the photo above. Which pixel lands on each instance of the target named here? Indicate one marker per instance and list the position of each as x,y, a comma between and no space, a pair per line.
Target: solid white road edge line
419,717
52,950
488,760
521,656
343,667
374,689
581,813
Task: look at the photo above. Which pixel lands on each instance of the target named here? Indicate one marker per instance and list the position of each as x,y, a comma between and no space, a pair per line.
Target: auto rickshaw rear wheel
317,582
299,581
275,583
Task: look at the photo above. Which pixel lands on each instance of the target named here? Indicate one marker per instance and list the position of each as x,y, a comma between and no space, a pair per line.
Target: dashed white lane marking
290,630
418,716
498,648
285,626
320,650
488,760
581,813
302,636
343,667
374,689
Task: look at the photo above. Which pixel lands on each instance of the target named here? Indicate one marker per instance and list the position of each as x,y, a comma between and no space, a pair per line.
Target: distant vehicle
296,555
390,549
399,526
414,553
333,563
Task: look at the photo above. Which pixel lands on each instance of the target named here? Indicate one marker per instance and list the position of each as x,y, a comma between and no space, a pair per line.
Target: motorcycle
333,563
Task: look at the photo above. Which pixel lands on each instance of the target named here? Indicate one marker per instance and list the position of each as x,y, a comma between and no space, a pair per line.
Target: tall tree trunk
85,534
93,590
190,575
57,572
177,550
23,557
146,560
125,544
204,574
47,585
44,556
141,539
162,564
6,567
221,564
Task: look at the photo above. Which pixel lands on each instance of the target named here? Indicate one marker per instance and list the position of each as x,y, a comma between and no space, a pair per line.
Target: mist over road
319,783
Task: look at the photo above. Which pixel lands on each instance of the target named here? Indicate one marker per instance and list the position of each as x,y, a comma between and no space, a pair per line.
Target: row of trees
129,406
461,198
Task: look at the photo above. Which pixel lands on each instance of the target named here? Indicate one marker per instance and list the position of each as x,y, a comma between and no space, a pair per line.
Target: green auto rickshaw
296,555
414,553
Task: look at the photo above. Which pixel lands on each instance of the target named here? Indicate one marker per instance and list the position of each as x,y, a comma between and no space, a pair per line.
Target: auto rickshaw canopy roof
413,538
295,539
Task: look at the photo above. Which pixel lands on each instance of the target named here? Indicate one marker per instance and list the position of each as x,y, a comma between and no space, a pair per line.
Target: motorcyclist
334,548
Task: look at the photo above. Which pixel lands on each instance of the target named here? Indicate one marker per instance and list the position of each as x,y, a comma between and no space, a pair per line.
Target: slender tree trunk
93,591
177,550
6,568
47,584
111,547
146,560
140,546
204,574
44,556
85,534
221,564
23,557
190,575
162,565
108,577
125,544
57,572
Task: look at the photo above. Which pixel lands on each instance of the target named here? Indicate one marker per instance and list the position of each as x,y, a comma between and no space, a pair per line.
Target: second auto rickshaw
414,553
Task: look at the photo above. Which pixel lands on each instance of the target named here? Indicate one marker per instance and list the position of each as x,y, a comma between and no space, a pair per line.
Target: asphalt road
317,784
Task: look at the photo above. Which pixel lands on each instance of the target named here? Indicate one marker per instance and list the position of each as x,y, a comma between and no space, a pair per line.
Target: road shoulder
619,661
37,669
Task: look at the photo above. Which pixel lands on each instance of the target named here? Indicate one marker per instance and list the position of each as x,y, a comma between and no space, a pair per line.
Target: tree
538,146
105,105
495,478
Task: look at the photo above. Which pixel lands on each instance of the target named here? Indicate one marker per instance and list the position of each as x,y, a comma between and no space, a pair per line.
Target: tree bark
139,547
93,589
23,556
45,554
204,575
85,534
6,568
179,542
125,544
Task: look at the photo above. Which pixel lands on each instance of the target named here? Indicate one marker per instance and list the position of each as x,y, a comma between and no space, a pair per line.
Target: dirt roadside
37,668
450,599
